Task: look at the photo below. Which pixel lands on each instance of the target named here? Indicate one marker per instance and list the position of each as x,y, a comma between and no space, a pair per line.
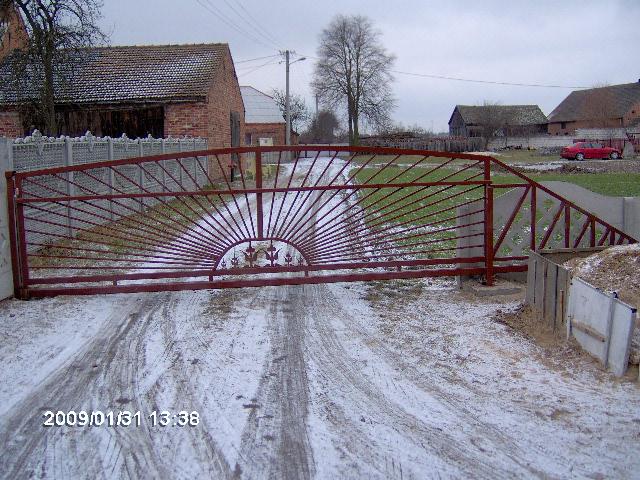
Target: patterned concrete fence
37,151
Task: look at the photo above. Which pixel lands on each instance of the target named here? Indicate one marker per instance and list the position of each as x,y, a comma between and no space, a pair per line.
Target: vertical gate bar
258,158
70,187
534,221
22,253
567,225
488,224
110,173
592,234
13,238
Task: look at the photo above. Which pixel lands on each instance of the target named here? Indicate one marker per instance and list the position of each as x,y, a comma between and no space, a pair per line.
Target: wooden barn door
234,119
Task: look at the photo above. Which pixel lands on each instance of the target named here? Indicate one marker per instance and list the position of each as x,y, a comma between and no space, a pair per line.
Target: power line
258,68
257,58
221,16
244,23
491,82
257,23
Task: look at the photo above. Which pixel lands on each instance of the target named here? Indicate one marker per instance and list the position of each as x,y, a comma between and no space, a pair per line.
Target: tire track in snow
339,372
102,376
275,437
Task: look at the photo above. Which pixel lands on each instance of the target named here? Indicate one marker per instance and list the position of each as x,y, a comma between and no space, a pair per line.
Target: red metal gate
292,215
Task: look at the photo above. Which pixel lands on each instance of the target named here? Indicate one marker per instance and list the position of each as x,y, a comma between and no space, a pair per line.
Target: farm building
615,106
165,90
264,124
501,120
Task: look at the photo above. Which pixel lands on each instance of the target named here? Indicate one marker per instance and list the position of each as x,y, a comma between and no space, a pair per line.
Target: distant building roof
260,107
511,114
578,105
132,74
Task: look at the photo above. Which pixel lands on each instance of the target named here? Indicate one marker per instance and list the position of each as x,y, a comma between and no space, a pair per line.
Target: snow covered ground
404,379
397,380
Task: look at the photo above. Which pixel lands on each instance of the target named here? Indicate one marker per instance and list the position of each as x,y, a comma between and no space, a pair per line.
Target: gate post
488,224
258,157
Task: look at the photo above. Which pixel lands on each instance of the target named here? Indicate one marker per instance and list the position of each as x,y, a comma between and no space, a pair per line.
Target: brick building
615,106
160,90
264,124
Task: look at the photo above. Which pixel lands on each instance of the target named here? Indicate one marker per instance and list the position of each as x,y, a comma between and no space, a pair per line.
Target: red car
582,150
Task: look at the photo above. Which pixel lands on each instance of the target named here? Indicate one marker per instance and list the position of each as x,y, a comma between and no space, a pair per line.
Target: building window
563,125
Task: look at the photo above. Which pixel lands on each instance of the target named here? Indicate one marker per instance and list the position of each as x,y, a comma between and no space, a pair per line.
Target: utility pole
287,107
316,104
287,99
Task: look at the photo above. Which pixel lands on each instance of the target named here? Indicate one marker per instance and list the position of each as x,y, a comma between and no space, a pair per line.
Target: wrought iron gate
292,215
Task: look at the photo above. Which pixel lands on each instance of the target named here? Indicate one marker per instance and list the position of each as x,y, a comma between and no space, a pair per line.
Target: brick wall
555,128
254,131
210,119
10,124
224,98
16,34
190,119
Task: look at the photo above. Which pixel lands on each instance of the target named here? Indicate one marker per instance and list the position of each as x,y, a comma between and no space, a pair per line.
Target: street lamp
287,106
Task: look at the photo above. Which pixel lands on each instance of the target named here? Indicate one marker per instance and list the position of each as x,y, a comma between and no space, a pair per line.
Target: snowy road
404,379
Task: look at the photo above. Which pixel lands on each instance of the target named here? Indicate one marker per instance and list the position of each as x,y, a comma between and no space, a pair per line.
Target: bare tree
354,70
322,128
59,32
297,106
490,121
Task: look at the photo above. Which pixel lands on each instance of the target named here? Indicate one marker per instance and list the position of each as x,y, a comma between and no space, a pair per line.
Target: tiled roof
137,74
510,114
260,107
581,104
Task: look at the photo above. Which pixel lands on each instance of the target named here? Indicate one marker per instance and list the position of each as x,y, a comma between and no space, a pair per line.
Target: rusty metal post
488,224
18,233
13,238
258,158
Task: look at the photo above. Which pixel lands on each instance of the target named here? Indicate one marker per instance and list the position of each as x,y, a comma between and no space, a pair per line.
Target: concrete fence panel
602,325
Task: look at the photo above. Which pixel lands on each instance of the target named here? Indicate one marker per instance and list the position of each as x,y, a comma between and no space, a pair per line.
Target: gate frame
488,270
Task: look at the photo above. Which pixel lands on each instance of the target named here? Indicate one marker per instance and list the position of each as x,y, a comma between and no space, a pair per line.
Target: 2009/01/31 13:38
123,418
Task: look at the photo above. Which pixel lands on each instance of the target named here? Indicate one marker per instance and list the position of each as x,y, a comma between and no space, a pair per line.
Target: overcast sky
550,42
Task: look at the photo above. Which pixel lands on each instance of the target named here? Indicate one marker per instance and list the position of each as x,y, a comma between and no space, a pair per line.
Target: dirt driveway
396,380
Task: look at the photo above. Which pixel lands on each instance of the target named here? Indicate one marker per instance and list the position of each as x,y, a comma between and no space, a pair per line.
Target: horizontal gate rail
230,217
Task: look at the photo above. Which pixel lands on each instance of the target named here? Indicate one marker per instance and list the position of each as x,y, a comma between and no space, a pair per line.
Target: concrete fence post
111,174
195,166
71,190
180,165
6,275
140,175
163,165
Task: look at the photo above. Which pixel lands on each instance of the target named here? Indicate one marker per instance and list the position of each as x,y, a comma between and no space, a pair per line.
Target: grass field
508,156
435,207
